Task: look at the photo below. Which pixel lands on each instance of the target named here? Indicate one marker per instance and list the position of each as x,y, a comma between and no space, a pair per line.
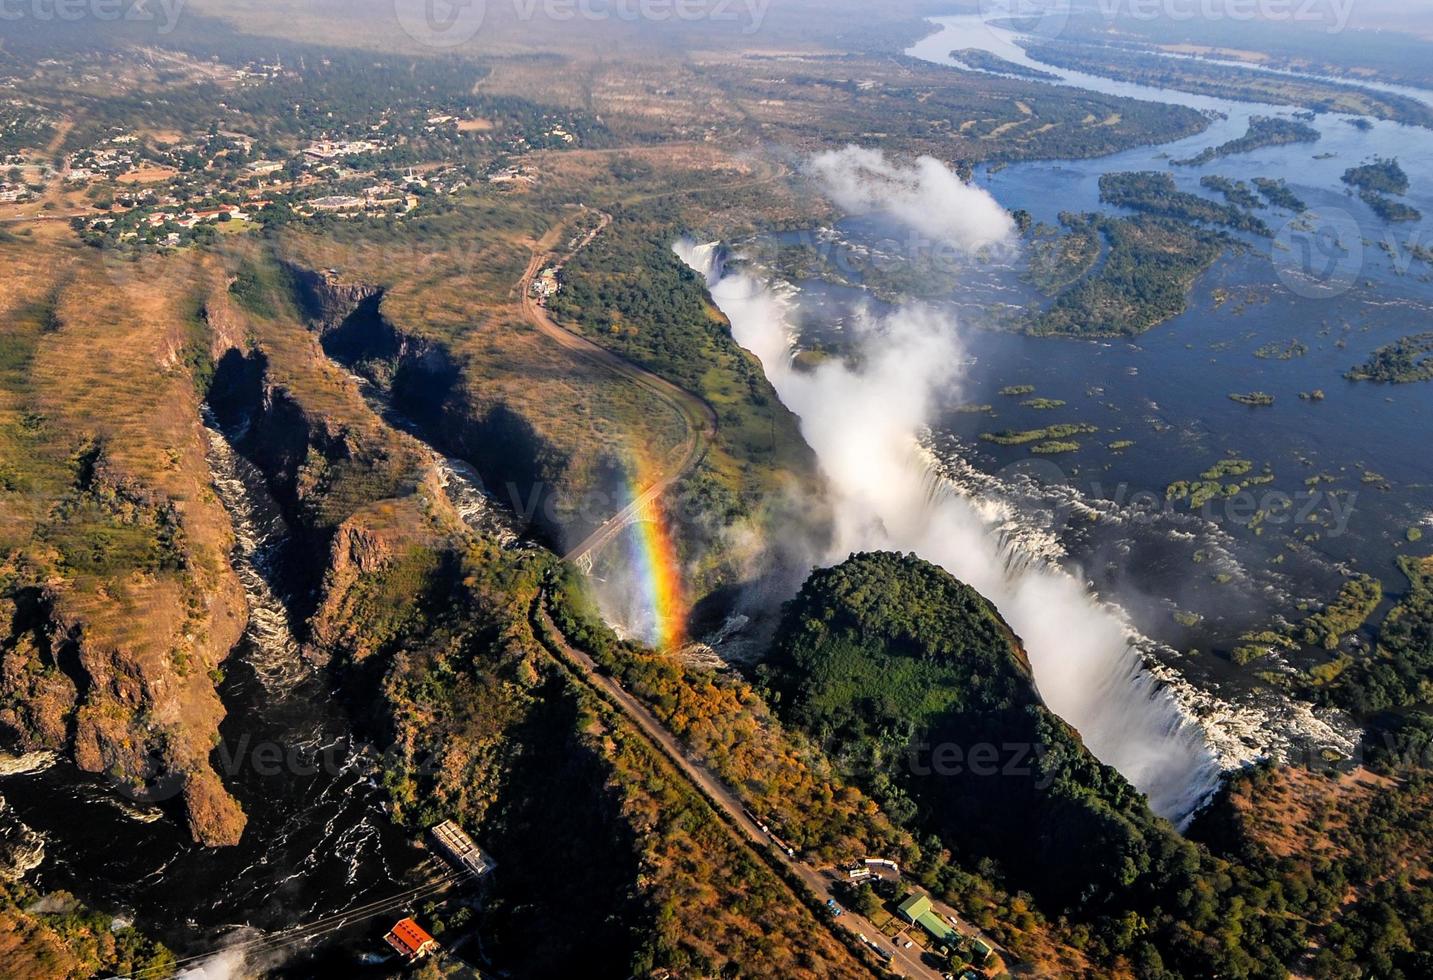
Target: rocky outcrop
328,298
21,849
425,383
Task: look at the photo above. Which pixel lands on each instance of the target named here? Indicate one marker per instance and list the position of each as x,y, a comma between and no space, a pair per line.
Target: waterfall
865,425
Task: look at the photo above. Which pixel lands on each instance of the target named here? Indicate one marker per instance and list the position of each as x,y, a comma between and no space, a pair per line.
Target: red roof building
410,941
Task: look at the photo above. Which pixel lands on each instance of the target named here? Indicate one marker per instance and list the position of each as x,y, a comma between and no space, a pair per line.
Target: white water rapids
864,425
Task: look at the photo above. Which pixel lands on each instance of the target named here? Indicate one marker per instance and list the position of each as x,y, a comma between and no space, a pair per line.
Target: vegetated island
1383,175
1227,82
1236,192
1277,193
1357,600
1049,434
1263,131
1286,351
1156,193
1211,484
982,60
1058,260
1149,266
1404,361
1388,209
1254,399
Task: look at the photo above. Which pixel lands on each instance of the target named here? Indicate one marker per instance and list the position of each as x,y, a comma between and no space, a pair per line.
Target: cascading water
259,534
864,426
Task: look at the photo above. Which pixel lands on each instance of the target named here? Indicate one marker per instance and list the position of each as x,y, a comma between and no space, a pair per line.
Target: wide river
1351,472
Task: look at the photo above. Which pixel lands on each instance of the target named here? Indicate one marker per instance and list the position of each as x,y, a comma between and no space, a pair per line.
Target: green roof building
917,910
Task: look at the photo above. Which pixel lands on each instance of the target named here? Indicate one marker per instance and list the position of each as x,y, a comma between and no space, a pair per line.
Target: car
907,944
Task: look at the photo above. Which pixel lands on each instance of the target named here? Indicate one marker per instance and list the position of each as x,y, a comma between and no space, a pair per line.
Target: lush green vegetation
1059,260
885,657
982,60
1389,209
1155,193
1263,131
1277,193
1381,176
1050,432
1226,478
1356,601
630,293
1399,674
889,657
1404,361
1145,277
1236,192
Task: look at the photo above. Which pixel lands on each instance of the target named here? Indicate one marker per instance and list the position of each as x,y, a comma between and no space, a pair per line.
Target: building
410,941
546,285
459,848
917,910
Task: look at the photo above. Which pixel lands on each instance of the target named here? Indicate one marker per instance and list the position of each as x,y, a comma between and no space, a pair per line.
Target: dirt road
699,417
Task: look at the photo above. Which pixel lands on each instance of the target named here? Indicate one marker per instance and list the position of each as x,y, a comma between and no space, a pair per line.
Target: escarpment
117,602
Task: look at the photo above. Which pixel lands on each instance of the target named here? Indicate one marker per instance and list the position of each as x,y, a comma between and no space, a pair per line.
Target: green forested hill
901,668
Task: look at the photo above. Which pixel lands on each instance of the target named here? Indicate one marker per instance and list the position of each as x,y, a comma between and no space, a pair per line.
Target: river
318,840
1347,477
1351,458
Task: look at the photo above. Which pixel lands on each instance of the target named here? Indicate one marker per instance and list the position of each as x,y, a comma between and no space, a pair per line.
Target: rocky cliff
118,604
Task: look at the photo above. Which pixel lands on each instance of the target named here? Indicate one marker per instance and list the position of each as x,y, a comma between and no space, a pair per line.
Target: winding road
699,417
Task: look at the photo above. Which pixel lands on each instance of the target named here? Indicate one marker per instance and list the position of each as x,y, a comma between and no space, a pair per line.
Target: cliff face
118,602
426,382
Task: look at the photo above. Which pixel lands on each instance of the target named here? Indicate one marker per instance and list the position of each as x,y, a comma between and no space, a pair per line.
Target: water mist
864,423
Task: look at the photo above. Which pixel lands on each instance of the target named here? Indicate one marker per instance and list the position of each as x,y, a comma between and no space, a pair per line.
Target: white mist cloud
863,423
926,196
227,964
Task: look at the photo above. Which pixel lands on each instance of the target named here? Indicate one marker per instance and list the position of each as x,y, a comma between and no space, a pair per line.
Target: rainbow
654,559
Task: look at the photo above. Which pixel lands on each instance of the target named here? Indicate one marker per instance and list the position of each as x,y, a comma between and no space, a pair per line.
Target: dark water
317,841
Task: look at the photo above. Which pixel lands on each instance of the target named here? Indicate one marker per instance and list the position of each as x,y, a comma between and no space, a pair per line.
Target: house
410,941
917,910
459,848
